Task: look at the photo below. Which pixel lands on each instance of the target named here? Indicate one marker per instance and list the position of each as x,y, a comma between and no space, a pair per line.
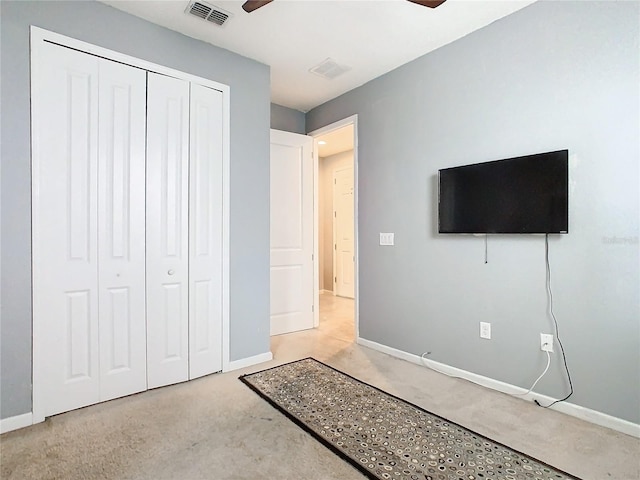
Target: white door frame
352,120
38,37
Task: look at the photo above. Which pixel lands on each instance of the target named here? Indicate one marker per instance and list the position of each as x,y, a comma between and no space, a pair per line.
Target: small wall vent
329,69
208,12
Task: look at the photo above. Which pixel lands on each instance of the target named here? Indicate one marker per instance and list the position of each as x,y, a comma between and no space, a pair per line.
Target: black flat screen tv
528,194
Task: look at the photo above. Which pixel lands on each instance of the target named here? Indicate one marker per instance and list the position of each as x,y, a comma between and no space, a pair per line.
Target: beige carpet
216,428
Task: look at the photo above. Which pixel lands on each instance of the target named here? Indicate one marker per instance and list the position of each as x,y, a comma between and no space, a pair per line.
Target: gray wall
249,251
287,119
554,75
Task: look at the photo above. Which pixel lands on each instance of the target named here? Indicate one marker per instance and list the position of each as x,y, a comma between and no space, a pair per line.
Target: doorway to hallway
337,231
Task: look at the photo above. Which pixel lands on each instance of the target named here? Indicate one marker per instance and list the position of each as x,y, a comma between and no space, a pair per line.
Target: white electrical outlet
485,330
386,239
546,342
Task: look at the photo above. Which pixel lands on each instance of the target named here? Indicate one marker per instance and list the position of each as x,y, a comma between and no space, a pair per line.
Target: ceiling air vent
329,69
208,12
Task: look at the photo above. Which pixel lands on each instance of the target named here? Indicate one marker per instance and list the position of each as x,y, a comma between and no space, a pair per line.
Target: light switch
386,238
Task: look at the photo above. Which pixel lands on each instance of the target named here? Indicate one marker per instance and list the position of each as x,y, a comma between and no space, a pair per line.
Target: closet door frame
38,37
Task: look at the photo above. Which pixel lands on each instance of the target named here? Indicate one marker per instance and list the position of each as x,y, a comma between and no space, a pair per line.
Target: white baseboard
250,361
14,423
322,292
592,416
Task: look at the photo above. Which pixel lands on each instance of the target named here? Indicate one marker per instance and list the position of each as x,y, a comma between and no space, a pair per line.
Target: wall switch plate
386,238
485,330
546,342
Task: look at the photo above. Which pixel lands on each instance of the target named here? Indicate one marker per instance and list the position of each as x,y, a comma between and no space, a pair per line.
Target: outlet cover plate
386,239
485,330
546,342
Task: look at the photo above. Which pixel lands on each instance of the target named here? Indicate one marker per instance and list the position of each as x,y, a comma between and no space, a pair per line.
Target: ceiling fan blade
428,3
251,5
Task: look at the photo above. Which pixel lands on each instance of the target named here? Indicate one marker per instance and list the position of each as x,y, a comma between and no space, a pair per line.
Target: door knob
171,272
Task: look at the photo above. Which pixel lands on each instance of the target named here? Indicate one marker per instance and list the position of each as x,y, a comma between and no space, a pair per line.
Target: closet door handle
171,272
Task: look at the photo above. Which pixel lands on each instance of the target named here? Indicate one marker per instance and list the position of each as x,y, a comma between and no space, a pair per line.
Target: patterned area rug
384,436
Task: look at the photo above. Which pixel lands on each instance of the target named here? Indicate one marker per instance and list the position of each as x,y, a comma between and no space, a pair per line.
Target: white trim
16,422
37,359
583,413
250,361
38,36
226,230
352,120
325,291
334,236
316,237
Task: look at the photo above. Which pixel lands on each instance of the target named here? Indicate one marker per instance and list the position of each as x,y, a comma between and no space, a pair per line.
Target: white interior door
167,230
65,243
343,231
205,232
292,234
121,230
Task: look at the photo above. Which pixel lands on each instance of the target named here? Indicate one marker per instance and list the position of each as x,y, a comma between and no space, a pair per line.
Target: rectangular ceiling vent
208,12
329,69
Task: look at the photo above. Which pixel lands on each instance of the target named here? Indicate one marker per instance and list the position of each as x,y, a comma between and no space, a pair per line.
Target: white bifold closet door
184,230
127,229
205,241
121,230
167,230
88,209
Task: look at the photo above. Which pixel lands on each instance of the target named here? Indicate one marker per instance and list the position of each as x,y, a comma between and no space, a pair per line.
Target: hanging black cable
555,321
486,248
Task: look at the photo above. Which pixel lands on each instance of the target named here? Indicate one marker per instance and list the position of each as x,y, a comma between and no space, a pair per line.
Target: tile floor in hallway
337,317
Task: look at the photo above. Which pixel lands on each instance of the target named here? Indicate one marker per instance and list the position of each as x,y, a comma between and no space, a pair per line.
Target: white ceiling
292,36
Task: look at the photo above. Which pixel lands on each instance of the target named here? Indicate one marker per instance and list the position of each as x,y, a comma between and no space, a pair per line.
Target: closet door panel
167,230
65,249
205,229
121,232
